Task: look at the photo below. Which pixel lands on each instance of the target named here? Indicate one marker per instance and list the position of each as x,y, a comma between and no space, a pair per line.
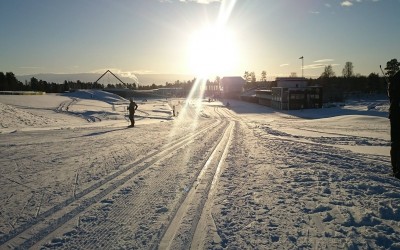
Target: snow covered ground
73,176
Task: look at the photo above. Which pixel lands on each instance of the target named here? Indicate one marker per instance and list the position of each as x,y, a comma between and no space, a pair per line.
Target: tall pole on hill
302,66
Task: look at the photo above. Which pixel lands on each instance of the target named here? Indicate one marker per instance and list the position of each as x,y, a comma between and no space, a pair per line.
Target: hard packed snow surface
73,176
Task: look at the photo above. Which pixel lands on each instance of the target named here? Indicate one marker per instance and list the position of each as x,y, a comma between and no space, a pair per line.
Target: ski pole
384,75
126,115
386,79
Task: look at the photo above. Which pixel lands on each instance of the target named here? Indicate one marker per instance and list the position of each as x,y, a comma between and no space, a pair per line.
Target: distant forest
8,82
336,87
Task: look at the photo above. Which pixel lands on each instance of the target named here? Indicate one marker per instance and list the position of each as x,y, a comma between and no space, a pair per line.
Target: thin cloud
319,65
323,60
143,72
314,12
314,66
349,3
346,4
284,65
119,72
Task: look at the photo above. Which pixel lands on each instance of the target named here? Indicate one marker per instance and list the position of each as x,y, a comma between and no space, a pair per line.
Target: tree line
336,88
8,82
392,67
333,85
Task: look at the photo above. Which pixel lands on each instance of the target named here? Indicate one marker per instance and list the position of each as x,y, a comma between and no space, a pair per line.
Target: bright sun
212,52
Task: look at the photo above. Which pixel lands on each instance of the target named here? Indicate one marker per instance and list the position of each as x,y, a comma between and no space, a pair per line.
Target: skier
394,116
132,107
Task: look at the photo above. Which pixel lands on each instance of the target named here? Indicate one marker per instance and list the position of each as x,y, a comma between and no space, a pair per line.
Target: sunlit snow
73,176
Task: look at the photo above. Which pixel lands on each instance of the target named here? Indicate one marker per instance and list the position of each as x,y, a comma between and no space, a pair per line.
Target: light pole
302,66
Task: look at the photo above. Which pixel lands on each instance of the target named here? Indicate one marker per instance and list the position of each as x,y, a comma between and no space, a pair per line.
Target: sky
206,38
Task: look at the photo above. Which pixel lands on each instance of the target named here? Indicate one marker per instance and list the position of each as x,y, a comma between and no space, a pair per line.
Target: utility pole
302,66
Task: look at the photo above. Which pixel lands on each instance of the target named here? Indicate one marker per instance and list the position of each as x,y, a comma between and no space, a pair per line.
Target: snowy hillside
80,108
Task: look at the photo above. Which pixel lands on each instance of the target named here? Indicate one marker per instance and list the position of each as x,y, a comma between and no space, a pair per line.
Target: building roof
233,80
238,78
291,79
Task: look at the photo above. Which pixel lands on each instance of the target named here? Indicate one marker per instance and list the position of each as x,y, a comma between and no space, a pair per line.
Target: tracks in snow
64,106
44,224
192,219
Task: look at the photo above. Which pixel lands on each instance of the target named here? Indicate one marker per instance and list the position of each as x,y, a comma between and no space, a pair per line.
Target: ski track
226,183
181,229
146,207
66,215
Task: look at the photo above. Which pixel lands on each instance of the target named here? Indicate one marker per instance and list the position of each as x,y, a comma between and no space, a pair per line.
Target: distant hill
143,79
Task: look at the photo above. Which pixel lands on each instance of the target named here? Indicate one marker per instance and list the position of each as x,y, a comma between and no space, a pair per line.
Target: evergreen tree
3,82
373,83
392,67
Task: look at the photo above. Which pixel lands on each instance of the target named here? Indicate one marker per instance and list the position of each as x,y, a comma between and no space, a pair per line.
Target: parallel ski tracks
146,200
28,234
219,112
183,226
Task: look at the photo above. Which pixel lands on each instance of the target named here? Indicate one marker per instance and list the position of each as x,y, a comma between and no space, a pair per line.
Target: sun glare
212,52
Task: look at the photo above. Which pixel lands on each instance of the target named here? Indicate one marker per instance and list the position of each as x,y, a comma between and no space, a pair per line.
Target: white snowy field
73,176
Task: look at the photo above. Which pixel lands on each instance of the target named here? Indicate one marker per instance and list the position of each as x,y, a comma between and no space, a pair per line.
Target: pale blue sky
156,36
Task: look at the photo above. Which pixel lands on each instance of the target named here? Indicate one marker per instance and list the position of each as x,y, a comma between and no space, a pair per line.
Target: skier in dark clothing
132,107
394,116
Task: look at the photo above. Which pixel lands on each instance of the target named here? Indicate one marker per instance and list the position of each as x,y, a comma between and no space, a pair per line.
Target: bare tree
253,77
328,72
263,76
348,70
247,76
